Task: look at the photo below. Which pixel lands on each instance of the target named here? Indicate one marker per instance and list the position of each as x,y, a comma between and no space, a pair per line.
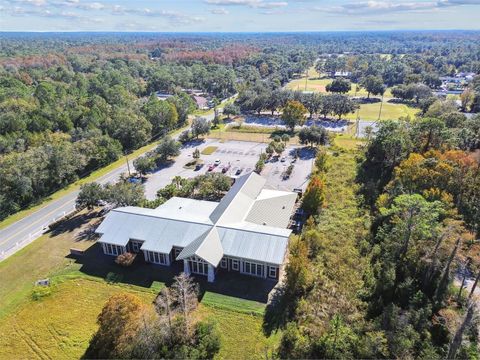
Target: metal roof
236,203
159,234
207,246
250,222
253,246
272,208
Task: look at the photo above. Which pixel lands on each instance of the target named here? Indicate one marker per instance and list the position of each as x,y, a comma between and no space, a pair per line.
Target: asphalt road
24,231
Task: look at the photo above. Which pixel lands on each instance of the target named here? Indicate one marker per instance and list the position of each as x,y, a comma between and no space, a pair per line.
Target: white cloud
250,3
220,11
375,7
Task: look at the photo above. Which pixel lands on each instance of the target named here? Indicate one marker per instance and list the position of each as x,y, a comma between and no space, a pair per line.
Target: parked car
217,162
283,159
211,167
225,168
239,171
198,167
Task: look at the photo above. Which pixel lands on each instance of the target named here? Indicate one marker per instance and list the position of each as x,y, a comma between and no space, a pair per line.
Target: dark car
238,172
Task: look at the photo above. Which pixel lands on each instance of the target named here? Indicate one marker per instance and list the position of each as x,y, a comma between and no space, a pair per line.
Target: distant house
162,96
202,102
196,92
245,232
343,74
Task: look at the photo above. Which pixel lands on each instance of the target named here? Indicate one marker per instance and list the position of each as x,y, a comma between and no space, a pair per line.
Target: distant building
245,232
343,74
202,102
162,96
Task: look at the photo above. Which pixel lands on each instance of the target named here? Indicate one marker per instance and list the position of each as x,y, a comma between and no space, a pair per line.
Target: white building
246,232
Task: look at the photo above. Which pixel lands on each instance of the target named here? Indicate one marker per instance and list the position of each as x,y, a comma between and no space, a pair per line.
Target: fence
32,236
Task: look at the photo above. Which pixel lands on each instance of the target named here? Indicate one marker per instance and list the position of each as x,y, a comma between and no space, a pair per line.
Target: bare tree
164,305
464,268
457,339
439,292
186,294
472,291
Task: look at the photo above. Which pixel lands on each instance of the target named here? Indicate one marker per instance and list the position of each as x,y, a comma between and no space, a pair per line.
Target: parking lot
240,158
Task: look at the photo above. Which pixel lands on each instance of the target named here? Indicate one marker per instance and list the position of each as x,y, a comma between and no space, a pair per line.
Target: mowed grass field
60,325
317,83
390,111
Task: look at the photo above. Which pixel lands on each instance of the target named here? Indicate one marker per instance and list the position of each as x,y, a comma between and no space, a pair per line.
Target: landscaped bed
209,150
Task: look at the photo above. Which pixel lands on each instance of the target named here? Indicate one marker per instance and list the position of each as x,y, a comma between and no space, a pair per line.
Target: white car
217,162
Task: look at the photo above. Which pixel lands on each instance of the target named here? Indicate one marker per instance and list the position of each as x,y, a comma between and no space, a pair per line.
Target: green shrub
39,292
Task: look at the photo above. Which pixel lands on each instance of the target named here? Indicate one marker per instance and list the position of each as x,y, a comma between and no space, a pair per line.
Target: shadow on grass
143,274
304,153
193,143
73,223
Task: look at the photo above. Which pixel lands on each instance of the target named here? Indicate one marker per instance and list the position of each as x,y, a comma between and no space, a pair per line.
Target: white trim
270,268
156,257
235,265
253,268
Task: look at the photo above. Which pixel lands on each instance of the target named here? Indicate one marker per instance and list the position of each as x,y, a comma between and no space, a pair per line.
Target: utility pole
128,165
380,111
306,79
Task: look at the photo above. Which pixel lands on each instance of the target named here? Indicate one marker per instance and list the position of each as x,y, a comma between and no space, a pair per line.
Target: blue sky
237,15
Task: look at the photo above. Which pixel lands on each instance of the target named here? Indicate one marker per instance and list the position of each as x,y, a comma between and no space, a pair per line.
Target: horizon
236,16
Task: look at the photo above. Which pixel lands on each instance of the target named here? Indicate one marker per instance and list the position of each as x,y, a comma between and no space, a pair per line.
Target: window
253,268
177,252
259,270
109,249
223,263
163,260
272,272
235,265
198,266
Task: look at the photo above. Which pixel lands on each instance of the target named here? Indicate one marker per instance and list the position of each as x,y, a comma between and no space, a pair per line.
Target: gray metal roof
253,246
272,208
250,222
158,234
236,203
207,246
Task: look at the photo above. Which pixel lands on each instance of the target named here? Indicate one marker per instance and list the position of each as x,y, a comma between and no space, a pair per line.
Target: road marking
34,223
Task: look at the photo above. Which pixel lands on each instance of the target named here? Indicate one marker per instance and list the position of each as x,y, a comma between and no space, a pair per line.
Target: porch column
211,273
186,267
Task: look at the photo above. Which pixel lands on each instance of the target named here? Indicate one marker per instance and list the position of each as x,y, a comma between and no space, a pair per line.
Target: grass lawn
61,324
241,334
390,111
348,142
316,84
209,150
